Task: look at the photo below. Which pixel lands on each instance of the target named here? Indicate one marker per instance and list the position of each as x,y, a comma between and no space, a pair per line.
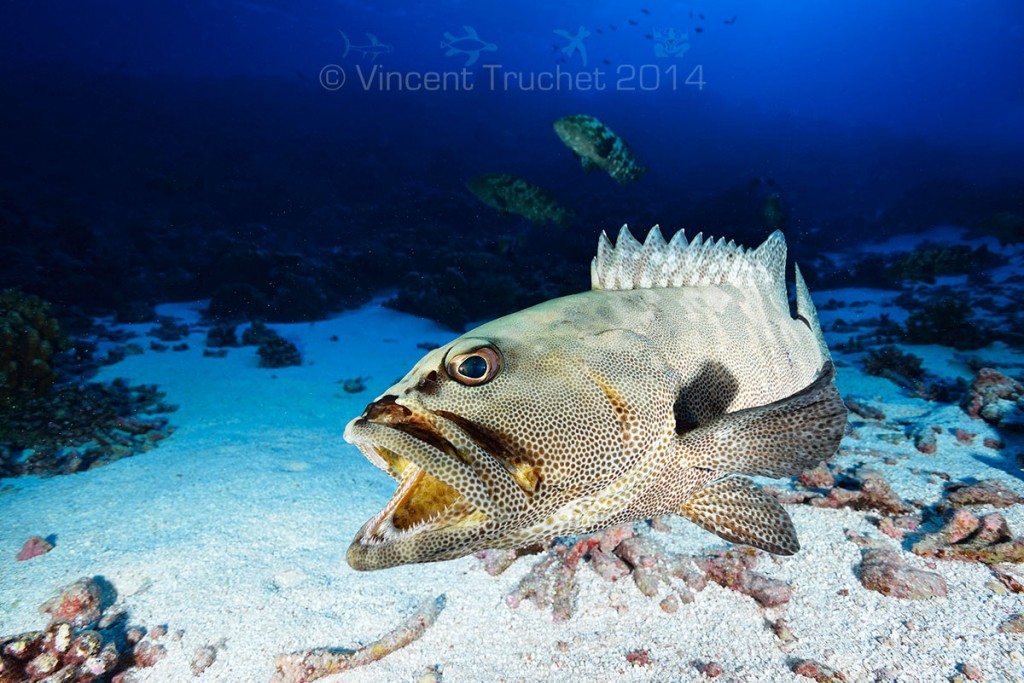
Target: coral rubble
87,639
81,426
303,667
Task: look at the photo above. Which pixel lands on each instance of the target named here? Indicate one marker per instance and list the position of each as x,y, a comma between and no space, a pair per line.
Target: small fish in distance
513,195
597,146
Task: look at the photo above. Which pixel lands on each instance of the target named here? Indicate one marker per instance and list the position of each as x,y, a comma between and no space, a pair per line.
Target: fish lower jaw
421,503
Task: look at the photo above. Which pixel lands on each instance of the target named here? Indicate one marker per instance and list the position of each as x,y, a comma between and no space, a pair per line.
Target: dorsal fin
681,263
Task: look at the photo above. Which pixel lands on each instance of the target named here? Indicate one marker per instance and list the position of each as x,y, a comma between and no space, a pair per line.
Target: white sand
236,527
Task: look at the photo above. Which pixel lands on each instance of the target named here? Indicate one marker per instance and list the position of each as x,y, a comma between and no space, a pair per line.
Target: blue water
142,137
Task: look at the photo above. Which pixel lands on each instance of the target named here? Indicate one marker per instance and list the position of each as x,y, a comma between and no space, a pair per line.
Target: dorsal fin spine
628,264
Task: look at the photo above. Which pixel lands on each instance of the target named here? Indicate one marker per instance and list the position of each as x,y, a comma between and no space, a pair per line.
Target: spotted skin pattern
597,146
681,370
510,194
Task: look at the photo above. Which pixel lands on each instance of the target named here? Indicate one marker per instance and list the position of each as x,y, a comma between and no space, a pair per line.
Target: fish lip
399,448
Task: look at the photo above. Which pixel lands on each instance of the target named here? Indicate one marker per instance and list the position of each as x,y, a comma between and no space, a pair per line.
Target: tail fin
348,45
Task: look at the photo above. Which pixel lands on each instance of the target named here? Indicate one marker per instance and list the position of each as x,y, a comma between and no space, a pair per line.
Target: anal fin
737,510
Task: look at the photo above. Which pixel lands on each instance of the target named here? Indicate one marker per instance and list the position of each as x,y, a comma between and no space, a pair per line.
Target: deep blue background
177,119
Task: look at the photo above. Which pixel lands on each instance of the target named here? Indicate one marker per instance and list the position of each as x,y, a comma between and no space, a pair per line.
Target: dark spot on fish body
707,396
605,147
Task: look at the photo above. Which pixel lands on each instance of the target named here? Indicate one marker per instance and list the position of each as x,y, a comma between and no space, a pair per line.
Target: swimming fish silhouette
597,146
373,49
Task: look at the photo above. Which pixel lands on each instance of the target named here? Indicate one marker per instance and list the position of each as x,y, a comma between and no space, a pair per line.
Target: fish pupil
474,367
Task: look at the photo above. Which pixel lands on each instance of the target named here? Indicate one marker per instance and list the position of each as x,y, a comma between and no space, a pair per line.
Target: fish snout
386,410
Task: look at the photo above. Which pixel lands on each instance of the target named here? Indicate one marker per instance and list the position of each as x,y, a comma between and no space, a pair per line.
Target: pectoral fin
738,511
781,439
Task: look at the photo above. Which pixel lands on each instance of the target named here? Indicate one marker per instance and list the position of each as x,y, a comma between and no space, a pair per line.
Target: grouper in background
598,147
511,194
678,375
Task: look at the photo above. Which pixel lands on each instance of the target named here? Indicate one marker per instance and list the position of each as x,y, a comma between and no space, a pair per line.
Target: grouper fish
512,194
597,146
678,375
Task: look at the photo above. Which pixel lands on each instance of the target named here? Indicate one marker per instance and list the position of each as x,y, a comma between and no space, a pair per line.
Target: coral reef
970,538
87,639
81,426
303,667
169,329
1005,226
616,553
612,554
992,492
221,336
947,321
53,421
856,488
30,339
995,398
257,333
277,352
902,368
484,285
274,351
930,261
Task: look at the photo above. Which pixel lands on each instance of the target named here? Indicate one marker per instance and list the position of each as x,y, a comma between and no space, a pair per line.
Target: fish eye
476,367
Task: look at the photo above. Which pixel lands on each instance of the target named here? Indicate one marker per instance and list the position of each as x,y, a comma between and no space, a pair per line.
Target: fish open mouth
430,473
421,497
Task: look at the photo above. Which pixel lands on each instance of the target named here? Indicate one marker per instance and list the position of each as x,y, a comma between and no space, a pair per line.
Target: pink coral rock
822,673
733,569
882,570
33,547
78,605
988,492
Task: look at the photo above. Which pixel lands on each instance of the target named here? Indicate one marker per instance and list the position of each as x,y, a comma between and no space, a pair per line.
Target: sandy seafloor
234,530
